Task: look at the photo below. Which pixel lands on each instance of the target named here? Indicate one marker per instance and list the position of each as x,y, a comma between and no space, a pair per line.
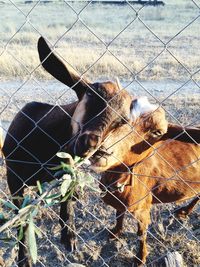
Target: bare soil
166,233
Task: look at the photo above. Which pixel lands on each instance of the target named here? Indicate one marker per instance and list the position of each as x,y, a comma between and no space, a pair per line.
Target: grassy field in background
103,41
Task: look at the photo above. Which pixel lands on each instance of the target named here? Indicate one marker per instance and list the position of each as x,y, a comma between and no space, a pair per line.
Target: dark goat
148,163
40,130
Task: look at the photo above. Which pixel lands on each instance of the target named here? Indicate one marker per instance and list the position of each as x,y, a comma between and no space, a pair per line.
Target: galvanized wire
86,207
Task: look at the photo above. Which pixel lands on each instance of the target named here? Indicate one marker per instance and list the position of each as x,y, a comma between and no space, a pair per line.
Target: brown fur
1,142
163,170
40,130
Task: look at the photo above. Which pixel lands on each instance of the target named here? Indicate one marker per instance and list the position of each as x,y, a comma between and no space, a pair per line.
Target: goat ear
158,124
59,70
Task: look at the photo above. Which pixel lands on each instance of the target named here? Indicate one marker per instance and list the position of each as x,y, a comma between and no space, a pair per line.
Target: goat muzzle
85,144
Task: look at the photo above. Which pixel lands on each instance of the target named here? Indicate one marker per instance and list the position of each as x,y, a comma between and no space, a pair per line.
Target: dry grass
135,46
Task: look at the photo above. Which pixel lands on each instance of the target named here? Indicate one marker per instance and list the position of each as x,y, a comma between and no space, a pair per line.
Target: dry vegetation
125,56
166,234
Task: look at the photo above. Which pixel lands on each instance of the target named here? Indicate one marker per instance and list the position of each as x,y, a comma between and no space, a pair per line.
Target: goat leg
143,222
17,190
68,237
183,212
142,253
116,231
23,259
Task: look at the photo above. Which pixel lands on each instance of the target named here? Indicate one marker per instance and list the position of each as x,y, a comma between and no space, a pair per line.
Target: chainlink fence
154,50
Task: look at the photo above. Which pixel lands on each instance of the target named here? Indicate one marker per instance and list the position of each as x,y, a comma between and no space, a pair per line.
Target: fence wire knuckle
153,47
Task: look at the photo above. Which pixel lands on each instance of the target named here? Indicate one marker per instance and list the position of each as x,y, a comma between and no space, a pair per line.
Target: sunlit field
103,41
153,50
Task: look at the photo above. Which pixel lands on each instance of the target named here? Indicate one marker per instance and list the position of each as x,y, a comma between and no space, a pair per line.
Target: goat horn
118,83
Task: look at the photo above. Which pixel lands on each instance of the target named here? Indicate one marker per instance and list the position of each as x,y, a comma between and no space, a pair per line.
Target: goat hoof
70,246
24,263
181,214
138,264
114,233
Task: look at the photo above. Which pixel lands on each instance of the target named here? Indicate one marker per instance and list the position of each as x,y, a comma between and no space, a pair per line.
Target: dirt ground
166,233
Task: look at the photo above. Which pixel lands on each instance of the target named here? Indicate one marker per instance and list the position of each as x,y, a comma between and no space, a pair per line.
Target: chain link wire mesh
154,50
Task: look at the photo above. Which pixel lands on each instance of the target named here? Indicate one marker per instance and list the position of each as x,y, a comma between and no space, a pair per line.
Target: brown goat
40,130
149,163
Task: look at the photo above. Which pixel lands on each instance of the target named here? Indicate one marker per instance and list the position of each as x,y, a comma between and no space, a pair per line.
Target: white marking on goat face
141,106
78,116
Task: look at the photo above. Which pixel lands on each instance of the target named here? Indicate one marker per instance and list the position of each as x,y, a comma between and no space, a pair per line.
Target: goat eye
157,132
118,123
121,123
89,93
124,120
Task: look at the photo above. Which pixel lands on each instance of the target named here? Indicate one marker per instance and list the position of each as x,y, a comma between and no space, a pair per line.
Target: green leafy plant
73,179
70,179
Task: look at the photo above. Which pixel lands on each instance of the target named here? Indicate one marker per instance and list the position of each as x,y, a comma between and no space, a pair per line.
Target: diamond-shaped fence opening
137,157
